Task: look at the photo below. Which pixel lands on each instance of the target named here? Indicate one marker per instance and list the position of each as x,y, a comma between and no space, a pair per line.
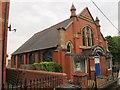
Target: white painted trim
68,24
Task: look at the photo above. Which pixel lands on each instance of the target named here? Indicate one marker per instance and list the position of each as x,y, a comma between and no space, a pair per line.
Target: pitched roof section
86,14
47,38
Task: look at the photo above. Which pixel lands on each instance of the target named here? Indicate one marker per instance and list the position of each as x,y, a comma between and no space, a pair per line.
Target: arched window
69,47
87,36
32,58
14,60
47,56
21,59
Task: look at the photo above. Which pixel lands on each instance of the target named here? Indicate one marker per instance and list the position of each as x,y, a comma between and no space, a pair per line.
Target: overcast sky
36,15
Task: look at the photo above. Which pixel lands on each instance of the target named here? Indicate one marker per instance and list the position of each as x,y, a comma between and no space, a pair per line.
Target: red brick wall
103,65
20,74
3,34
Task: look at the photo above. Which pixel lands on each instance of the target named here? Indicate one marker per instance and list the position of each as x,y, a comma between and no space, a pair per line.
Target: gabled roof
86,14
45,39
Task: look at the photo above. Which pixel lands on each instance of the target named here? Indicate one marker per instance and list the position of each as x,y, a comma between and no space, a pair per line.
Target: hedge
48,66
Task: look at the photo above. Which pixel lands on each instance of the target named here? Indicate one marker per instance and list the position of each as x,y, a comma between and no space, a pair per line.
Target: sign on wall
97,60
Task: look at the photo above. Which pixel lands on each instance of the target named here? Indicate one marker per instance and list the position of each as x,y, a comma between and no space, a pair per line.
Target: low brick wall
43,78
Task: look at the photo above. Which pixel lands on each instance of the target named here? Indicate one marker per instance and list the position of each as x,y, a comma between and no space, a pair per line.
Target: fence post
12,86
17,85
30,84
37,83
20,84
25,84
34,84
7,86
40,82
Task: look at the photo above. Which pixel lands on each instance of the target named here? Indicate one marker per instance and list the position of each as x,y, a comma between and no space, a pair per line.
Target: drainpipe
3,42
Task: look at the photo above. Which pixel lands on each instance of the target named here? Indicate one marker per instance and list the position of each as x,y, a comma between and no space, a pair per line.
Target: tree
114,47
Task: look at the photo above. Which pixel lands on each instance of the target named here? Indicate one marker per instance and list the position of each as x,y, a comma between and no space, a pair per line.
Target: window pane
68,47
14,60
92,37
32,58
22,59
89,41
47,56
87,36
83,37
79,65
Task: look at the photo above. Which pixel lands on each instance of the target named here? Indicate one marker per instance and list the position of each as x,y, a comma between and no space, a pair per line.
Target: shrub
48,66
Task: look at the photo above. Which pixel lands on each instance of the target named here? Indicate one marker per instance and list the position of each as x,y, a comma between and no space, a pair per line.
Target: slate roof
47,38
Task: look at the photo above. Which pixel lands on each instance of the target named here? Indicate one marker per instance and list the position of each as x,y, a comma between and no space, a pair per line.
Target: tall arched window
83,38
21,59
69,47
92,37
47,56
87,36
32,58
14,60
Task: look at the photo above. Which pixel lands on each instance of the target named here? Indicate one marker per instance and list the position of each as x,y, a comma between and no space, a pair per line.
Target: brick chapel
76,43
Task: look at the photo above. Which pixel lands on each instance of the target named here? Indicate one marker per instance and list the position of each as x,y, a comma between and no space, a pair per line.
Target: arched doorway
97,52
